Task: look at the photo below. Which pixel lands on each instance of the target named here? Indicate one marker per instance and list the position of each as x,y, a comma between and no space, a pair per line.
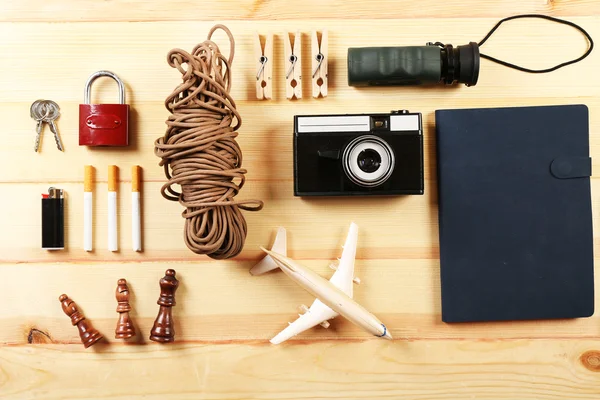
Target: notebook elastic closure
571,167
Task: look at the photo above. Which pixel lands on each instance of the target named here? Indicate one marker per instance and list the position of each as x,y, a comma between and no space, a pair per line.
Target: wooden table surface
224,317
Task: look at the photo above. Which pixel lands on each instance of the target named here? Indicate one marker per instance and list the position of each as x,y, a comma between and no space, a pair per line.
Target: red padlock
103,124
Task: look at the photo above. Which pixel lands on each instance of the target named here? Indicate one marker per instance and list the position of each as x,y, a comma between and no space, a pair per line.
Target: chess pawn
87,333
125,328
163,330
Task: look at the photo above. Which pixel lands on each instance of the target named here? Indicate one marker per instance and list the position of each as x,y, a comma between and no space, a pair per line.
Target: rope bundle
200,154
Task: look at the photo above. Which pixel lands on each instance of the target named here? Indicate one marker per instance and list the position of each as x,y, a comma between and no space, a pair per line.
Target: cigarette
112,208
88,184
136,222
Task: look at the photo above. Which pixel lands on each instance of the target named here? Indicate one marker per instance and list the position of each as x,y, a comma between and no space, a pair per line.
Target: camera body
358,154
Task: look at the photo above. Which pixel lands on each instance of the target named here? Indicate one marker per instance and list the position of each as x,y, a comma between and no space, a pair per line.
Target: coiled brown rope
200,154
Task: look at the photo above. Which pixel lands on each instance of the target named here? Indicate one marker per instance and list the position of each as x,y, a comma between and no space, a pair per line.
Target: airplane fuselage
331,296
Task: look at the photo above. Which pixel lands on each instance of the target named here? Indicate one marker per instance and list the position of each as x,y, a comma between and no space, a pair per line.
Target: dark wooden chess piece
87,333
125,328
163,330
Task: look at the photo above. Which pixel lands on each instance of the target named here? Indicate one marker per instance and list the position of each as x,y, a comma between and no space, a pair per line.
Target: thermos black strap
538,71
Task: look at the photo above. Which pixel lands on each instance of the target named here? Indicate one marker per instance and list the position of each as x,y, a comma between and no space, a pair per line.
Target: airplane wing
344,275
315,315
279,246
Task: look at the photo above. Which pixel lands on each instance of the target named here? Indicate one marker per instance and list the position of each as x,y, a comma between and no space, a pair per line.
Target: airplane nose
386,333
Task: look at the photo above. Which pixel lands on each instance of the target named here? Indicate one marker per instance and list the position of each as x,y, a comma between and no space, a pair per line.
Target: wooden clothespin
264,67
319,64
293,66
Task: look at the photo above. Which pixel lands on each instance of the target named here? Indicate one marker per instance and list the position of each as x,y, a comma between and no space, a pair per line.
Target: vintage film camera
358,155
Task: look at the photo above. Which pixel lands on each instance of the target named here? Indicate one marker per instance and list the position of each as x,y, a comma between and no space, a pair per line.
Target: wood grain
186,10
437,370
224,316
405,294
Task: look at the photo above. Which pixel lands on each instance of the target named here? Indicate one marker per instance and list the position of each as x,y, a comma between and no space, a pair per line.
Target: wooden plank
219,301
441,370
265,138
186,10
409,235
403,228
137,53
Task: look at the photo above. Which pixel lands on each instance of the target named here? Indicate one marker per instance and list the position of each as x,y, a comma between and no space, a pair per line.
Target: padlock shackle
88,86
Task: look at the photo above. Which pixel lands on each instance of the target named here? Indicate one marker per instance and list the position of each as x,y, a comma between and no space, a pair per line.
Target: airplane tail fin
268,264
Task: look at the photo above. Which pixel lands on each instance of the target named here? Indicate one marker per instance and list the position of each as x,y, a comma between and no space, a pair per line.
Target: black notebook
515,213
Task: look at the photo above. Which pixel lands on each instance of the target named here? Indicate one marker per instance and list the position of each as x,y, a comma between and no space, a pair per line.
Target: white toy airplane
333,297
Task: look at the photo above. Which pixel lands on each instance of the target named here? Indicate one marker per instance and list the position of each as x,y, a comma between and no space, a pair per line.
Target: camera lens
368,161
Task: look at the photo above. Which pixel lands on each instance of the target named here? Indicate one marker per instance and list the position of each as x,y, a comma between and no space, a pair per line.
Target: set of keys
45,111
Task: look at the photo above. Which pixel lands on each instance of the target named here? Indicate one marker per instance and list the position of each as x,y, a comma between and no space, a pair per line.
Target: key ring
52,111
35,111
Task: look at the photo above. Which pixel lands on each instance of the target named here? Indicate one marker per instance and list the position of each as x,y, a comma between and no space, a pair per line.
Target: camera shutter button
399,112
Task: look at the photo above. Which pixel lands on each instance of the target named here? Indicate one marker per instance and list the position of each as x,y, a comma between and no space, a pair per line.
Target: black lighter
53,220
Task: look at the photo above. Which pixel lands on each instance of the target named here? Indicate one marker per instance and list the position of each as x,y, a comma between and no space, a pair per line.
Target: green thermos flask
413,65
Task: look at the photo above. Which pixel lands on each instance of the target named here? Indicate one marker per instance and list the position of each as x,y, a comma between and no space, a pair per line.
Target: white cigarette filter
136,220
112,208
88,196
